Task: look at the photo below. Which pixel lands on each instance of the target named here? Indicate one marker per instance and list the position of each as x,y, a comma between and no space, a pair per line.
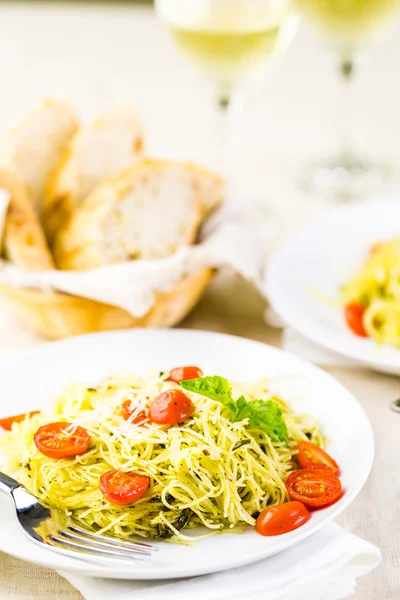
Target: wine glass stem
346,74
224,149
223,102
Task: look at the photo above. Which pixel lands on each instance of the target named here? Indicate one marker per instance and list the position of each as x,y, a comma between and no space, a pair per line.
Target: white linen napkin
323,567
237,236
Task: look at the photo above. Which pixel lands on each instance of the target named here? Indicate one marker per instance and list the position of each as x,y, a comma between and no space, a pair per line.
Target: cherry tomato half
282,518
7,422
170,407
61,440
311,456
375,248
126,411
123,488
314,487
354,313
182,373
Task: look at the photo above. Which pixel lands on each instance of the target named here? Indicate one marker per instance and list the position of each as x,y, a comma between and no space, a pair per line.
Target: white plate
320,258
36,378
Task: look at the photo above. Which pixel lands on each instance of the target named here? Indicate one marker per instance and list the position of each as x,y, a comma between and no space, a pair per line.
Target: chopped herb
183,519
240,444
157,499
164,532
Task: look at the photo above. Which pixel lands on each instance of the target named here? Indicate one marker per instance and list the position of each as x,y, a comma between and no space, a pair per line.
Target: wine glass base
346,178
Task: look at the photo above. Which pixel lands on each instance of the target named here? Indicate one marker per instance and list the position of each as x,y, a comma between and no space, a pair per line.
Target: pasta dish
160,455
372,295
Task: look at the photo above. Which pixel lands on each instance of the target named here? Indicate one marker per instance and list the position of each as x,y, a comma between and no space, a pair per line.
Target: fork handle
7,484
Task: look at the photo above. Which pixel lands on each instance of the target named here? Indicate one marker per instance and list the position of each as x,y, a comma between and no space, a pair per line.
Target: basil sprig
265,414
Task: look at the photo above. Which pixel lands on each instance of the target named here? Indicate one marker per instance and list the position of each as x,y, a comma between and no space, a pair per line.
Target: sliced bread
23,242
95,153
146,212
32,149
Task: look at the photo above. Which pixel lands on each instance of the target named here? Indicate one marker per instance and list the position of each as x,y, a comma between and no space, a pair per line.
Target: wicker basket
58,315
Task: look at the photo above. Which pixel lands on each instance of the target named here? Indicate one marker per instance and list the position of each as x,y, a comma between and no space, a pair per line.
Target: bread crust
24,242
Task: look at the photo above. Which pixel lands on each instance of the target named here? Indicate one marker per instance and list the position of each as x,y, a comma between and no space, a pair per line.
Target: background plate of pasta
337,282
218,450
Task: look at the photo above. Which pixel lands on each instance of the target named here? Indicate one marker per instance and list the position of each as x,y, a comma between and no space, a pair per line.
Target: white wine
348,22
226,38
227,54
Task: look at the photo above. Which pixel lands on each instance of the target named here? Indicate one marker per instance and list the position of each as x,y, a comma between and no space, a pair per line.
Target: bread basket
57,315
65,207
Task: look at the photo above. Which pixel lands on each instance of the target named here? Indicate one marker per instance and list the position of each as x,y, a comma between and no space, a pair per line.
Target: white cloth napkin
237,236
323,567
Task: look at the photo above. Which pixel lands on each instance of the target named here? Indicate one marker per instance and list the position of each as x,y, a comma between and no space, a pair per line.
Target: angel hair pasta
209,470
372,295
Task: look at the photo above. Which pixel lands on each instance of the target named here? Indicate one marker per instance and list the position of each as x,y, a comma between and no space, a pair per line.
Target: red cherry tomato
7,422
375,248
123,488
311,456
282,518
354,313
170,407
126,411
61,440
314,487
182,373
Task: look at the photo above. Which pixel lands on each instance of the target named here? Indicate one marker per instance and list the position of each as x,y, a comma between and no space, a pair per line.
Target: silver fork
40,524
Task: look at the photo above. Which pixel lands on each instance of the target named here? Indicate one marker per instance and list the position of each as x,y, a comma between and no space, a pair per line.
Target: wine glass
229,40
347,26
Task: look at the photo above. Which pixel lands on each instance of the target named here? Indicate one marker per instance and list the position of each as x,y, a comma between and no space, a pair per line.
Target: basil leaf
216,388
265,414
242,409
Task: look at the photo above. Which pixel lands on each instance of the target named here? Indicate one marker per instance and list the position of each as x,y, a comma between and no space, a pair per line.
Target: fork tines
78,539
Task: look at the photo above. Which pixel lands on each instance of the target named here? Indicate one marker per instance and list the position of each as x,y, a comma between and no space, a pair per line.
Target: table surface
61,50
232,306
